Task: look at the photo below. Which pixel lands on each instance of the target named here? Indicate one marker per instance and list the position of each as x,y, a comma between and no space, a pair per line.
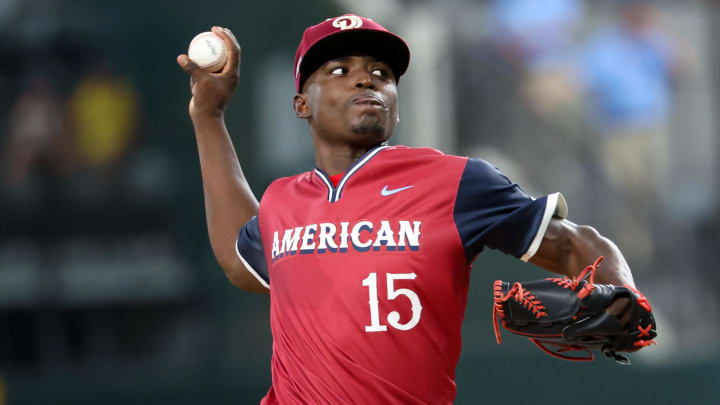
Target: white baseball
208,51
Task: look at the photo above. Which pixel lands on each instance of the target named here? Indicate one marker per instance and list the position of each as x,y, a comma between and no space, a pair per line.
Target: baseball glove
569,315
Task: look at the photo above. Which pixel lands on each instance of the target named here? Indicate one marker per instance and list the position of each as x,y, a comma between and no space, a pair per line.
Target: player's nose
364,81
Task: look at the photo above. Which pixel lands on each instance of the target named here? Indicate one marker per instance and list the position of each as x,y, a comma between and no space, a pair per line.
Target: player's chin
372,125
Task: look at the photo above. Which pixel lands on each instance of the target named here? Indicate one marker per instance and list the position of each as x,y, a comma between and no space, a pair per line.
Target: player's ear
300,104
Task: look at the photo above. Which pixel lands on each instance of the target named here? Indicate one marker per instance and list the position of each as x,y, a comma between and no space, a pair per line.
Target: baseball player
367,257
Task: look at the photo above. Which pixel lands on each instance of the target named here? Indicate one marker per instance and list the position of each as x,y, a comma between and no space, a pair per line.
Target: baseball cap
349,33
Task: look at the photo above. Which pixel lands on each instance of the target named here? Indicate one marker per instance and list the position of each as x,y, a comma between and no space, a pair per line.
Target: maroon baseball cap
343,36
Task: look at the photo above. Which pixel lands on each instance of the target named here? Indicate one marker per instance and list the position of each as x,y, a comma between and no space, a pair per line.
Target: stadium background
108,289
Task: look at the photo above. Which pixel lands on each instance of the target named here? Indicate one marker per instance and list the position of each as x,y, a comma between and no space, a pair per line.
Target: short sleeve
249,248
492,211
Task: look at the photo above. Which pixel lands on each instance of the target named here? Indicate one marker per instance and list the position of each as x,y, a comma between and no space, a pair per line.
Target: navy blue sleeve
492,211
249,248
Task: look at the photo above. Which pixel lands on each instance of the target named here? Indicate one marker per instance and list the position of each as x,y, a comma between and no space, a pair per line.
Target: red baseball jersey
369,279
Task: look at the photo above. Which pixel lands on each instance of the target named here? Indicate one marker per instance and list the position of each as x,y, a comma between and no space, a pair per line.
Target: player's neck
334,159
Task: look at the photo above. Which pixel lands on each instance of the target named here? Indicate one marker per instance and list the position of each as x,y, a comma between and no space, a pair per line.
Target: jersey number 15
393,317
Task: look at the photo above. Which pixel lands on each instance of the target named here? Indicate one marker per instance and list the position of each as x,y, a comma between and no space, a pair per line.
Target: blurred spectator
35,134
529,31
627,70
539,40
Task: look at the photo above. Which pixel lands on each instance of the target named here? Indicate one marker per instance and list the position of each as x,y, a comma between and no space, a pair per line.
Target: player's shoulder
431,154
282,185
402,150
471,169
289,180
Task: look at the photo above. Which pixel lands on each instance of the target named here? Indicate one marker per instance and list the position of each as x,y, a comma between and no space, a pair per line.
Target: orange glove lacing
572,283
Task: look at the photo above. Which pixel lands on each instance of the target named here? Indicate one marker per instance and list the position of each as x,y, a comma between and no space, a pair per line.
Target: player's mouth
369,99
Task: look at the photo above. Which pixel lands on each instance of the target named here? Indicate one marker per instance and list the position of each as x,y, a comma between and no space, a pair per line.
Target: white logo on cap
347,22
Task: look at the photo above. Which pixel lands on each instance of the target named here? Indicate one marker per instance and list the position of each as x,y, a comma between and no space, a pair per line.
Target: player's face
352,100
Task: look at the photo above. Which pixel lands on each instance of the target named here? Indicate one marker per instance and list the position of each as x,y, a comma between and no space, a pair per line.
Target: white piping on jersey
327,183
335,193
250,268
555,205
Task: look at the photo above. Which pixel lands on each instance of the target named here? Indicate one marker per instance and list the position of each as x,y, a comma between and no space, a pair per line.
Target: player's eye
338,71
378,72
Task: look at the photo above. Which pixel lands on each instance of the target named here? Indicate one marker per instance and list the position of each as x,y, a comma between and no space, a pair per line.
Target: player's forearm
567,248
229,202
586,246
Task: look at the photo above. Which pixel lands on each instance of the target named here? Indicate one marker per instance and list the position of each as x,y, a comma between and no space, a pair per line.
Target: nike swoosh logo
385,192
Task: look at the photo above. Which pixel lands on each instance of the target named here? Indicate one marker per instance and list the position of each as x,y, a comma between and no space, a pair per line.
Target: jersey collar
334,193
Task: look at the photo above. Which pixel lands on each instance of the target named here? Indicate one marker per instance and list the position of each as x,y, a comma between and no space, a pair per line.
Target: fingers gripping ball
570,315
208,51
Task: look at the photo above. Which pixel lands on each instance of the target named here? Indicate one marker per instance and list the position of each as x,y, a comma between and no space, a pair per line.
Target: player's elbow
240,277
245,281
567,237
233,268
241,281
580,236
584,234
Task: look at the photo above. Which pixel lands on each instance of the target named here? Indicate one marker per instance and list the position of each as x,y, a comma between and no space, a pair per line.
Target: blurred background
109,293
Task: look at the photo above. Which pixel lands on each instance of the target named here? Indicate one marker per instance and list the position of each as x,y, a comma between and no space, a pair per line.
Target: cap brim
381,45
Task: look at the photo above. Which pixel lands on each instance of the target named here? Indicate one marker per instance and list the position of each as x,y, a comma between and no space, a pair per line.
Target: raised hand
212,91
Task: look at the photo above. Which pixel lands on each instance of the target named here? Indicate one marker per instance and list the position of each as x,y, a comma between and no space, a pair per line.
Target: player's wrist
201,115
204,121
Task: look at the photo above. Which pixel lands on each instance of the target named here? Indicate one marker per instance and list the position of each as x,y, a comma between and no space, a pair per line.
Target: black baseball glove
569,314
